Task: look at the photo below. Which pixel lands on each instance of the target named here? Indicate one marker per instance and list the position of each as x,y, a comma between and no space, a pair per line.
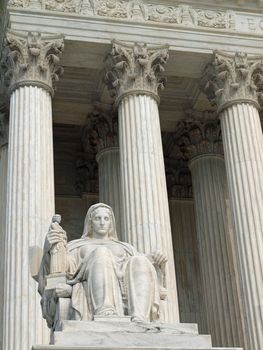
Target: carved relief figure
108,277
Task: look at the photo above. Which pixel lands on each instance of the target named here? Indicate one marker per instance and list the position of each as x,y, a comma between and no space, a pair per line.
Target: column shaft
109,183
3,182
187,263
243,146
30,206
215,241
144,194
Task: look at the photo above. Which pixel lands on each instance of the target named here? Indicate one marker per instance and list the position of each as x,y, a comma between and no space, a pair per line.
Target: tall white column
101,133
135,76
3,181
30,185
232,82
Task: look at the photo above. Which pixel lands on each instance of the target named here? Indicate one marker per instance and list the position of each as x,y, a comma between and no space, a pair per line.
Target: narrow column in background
233,81
101,133
135,77
33,68
215,232
183,224
3,182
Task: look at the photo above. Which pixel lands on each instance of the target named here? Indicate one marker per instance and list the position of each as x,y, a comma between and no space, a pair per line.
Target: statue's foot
138,319
105,311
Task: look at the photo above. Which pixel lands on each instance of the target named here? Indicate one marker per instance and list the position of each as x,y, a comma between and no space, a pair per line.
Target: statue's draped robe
126,281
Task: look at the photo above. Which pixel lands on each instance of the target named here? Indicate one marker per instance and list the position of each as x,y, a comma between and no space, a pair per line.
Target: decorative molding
100,131
33,59
178,179
138,10
87,174
233,78
136,69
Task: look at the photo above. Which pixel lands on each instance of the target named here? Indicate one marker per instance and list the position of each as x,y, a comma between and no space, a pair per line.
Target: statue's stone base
120,333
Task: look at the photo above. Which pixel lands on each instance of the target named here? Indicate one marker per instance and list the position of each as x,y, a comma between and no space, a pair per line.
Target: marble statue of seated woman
108,277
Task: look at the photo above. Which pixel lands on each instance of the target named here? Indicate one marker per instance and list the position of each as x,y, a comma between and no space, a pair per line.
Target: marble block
121,334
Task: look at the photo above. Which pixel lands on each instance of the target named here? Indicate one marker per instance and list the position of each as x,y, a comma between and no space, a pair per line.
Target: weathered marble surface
122,333
30,184
233,81
106,277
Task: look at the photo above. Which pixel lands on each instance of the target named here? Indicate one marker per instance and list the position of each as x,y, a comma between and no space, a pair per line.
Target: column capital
100,131
32,59
4,124
200,137
178,178
136,69
233,78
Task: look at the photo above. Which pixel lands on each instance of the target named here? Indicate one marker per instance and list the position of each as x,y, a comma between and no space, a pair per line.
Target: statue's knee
140,260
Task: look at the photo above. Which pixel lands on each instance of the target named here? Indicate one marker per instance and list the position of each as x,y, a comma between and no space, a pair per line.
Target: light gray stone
107,277
125,334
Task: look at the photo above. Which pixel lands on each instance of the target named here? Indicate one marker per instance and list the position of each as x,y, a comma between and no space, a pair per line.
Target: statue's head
91,224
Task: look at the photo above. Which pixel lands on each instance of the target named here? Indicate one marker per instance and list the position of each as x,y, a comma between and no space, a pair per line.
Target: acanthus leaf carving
178,178
198,134
33,59
136,68
233,77
100,131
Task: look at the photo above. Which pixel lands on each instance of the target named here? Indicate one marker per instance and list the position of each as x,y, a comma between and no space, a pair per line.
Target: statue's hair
88,230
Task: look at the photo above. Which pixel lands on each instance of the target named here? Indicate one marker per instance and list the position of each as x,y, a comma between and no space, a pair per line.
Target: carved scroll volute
33,59
135,69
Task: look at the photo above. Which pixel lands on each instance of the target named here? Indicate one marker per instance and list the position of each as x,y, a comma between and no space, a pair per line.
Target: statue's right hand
56,235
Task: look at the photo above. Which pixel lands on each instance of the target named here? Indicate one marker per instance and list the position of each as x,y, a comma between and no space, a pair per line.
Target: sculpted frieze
138,10
215,19
61,5
112,8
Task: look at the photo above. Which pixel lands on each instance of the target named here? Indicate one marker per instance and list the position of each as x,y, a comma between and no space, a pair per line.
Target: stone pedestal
122,334
30,185
144,195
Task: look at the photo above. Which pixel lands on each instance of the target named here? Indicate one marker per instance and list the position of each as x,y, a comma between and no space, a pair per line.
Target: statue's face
101,223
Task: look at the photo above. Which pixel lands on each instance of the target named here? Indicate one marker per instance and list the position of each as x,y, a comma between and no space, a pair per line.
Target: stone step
121,334
57,347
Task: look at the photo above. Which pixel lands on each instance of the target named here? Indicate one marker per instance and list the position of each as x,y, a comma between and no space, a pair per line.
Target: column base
123,334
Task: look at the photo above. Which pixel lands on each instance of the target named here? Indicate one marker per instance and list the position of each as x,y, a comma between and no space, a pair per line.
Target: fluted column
233,82
3,181
101,133
30,185
135,77
215,233
183,224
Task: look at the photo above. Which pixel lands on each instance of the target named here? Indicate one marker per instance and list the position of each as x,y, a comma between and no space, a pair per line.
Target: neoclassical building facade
152,107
